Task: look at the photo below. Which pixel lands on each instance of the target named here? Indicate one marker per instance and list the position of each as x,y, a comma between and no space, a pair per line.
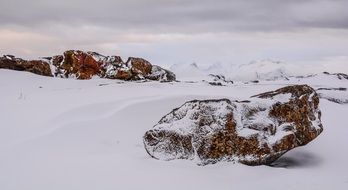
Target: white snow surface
71,134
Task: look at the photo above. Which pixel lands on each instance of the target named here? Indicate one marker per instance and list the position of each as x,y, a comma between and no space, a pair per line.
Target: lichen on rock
253,132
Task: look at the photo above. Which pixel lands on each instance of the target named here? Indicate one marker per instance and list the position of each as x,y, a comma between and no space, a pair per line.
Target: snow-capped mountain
187,70
262,70
255,70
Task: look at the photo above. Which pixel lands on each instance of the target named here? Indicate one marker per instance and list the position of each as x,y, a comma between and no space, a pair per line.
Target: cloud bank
178,31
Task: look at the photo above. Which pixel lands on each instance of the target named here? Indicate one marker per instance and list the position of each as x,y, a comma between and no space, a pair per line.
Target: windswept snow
69,134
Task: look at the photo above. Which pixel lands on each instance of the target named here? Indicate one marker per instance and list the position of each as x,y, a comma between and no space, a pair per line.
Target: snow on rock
254,132
85,65
158,73
218,80
34,66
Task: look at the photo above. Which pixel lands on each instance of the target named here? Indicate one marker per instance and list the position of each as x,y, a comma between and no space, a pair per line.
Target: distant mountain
187,70
255,70
266,69
217,69
263,70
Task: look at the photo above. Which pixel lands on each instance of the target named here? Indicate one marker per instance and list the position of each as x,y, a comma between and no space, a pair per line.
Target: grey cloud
176,31
178,15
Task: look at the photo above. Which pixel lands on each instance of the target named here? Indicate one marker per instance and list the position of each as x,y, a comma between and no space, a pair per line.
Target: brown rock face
77,63
252,132
34,66
139,66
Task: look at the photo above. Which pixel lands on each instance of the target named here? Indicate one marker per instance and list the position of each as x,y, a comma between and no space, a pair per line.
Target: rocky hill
85,65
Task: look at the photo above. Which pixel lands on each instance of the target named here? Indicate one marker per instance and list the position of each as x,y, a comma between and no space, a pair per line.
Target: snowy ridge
255,70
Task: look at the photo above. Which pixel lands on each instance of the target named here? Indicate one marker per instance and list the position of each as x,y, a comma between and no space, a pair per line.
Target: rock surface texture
253,132
85,65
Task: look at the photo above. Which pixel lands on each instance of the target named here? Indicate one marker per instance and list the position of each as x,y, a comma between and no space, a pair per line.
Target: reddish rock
253,132
123,75
34,66
79,64
139,66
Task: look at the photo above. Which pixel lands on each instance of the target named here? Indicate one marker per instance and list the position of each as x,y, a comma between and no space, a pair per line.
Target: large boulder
34,66
253,132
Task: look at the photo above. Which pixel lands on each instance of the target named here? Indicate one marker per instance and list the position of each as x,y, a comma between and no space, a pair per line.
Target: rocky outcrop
337,95
218,80
340,76
253,132
34,66
85,65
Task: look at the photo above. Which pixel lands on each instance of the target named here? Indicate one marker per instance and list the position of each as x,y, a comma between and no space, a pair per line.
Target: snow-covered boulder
254,132
34,66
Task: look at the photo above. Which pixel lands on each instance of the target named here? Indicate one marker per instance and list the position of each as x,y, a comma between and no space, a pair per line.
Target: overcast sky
179,31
